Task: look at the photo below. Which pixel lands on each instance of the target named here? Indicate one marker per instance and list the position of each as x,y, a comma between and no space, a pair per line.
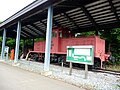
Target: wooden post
86,71
70,72
62,65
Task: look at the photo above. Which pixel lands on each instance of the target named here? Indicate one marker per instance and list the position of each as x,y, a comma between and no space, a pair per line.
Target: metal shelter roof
76,15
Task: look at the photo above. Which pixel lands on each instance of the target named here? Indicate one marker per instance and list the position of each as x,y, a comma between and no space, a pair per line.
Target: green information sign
80,54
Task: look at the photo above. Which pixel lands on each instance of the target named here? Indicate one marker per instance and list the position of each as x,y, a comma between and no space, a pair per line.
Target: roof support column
3,44
48,38
33,44
17,42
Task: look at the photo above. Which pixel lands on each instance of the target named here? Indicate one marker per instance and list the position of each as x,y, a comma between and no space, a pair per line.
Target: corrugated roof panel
38,31
82,20
101,13
107,20
73,27
104,15
56,16
98,6
28,30
100,9
61,17
117,4
104,18
88,24
118,12
115,1
95,3
42,27
44,20
118,8
59,20
79,15
75,13
65,22
68,25
73,10
25,33
22,34
37,22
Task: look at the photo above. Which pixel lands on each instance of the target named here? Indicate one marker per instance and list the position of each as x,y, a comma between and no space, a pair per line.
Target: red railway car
61,38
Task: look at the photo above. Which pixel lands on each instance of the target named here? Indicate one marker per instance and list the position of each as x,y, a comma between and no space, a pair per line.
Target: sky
10,7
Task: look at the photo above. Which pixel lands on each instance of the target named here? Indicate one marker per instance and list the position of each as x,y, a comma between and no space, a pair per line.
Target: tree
112,38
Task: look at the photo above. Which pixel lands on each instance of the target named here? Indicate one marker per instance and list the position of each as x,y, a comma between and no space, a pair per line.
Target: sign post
86,71
70,72
62,64
82,55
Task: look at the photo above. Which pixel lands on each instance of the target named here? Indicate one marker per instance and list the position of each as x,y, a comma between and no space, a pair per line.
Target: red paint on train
63,38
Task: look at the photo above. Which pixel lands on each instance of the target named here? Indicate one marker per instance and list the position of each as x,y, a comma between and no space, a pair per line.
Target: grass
113,67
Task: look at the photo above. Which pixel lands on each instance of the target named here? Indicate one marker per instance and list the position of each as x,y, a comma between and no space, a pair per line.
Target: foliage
90,33
39,39
10,42
112,38
0,43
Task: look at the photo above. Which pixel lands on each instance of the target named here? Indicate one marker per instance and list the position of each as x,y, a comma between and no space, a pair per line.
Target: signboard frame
6,49
87,51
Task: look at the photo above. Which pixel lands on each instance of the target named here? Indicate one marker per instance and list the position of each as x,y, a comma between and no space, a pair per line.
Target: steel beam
48,38
3,44
17,42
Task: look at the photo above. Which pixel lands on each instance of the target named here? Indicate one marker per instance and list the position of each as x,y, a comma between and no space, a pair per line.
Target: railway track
97,70
101,71
94,70
106,71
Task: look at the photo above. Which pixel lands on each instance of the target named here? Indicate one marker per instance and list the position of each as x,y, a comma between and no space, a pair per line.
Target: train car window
54,34
60,34
66,35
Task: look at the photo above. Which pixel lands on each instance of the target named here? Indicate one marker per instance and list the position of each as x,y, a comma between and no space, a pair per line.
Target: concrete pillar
17,42
48,38
3,44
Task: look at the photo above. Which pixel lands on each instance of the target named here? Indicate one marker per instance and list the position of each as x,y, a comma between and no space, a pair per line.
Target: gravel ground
95,80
